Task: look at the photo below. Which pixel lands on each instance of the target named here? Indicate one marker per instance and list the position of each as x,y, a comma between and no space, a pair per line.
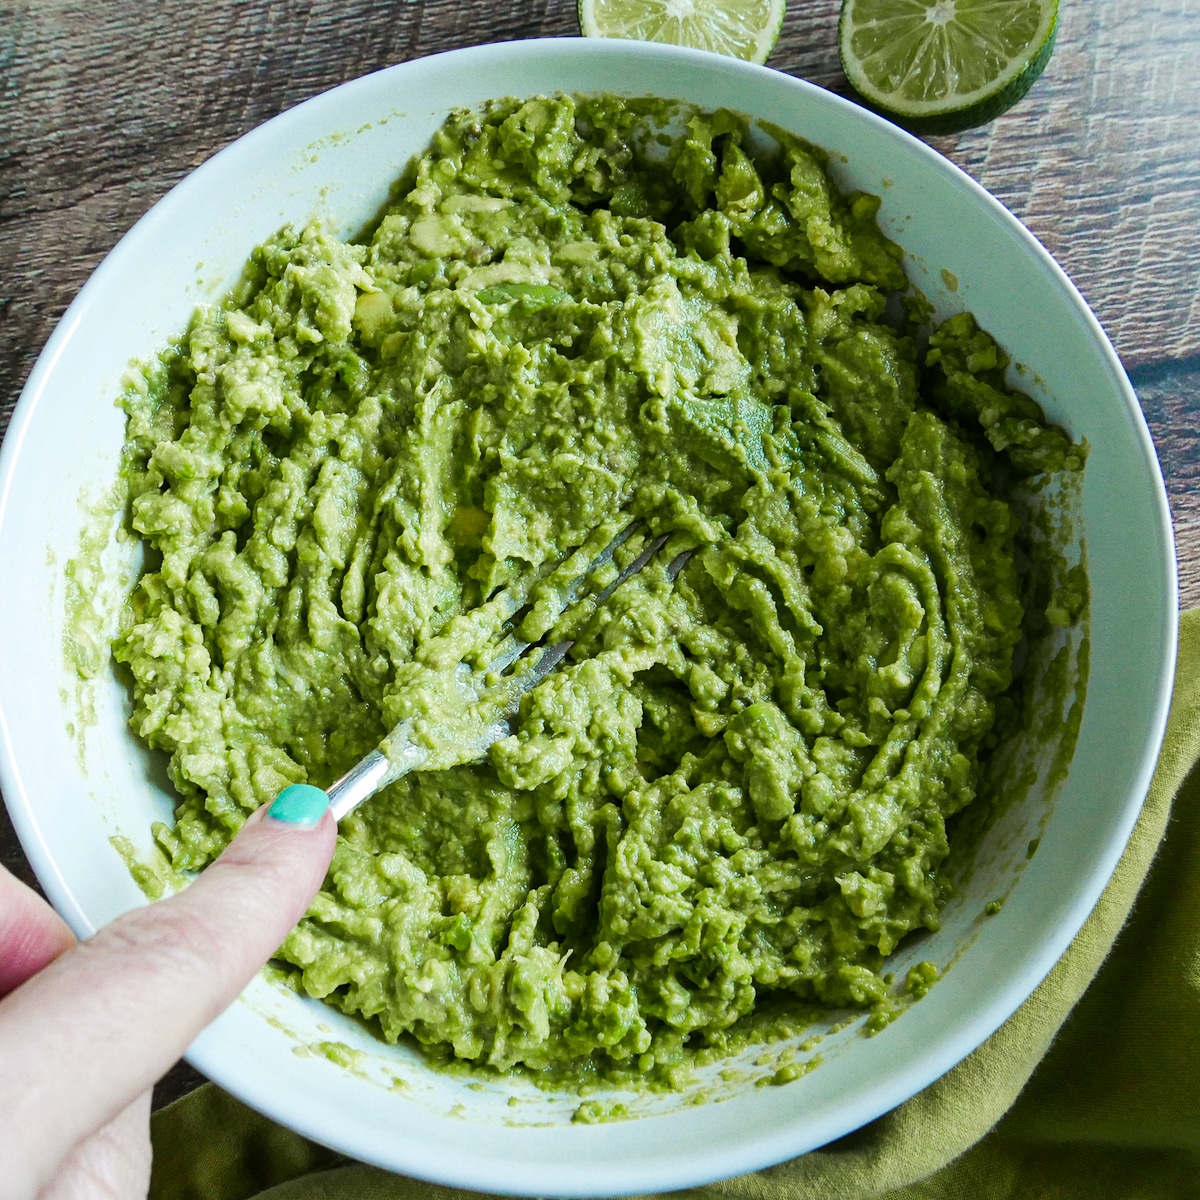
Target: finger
100,1024
112,1164
32,934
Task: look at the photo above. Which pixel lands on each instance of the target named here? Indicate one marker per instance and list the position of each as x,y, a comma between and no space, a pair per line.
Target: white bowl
73,775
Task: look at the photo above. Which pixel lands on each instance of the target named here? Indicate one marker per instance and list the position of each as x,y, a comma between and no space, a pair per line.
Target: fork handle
359,783
374,772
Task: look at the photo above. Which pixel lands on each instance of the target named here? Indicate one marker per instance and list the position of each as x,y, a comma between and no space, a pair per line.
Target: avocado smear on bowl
730,804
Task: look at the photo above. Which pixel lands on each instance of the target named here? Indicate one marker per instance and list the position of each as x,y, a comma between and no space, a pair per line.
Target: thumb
32,934
82,1038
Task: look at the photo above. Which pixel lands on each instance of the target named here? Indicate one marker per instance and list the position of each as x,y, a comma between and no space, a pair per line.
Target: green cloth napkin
1095,1097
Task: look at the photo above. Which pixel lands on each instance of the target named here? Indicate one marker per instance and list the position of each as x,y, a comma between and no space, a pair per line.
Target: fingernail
300,804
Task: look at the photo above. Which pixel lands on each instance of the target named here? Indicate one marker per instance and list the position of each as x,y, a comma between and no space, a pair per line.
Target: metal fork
398,753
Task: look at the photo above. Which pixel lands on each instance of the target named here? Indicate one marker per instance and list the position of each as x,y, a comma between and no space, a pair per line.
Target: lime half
937,66
745,29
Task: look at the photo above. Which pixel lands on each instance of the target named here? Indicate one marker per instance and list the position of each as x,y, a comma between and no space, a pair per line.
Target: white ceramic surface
72,780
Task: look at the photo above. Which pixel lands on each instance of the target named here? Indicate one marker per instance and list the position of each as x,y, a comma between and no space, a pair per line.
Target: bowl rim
206,1053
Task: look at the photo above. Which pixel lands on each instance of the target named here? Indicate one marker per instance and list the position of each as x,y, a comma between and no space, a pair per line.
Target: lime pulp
746,29
937,66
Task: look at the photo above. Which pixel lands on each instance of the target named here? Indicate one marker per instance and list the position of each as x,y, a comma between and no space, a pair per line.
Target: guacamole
731,801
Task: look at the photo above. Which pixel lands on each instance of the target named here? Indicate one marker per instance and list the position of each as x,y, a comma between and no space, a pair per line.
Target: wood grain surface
105,104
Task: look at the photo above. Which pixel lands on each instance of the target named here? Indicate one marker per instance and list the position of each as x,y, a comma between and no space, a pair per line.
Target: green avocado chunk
731,801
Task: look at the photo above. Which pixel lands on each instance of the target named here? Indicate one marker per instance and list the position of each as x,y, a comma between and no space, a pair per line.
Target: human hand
86,1029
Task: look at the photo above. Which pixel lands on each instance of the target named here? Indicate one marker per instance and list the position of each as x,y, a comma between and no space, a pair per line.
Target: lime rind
938,66
745,29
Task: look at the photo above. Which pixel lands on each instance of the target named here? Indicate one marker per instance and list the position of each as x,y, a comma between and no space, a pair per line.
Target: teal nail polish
301,805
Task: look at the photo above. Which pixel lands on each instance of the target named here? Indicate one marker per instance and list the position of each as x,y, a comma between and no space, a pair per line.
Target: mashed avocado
732,800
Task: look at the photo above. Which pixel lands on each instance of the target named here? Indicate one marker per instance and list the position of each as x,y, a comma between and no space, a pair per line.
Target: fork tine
512,647
552,655
547,661
633,568
398,754
680,561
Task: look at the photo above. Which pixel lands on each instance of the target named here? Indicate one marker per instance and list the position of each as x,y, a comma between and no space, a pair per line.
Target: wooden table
104,105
